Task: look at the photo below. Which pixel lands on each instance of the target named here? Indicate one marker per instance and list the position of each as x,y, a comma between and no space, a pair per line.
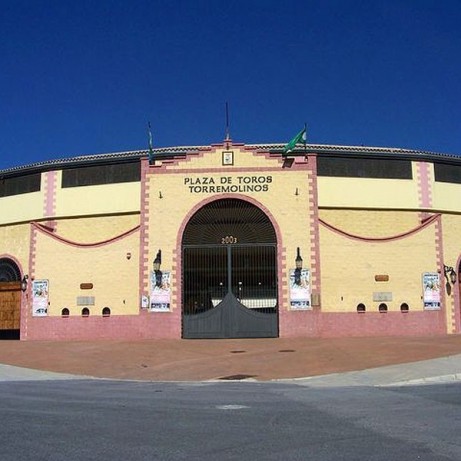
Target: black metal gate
229,287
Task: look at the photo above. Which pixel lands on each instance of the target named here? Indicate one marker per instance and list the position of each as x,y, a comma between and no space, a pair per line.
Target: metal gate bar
230,291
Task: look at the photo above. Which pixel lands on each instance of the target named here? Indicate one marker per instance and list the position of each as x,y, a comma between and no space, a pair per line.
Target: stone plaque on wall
380,296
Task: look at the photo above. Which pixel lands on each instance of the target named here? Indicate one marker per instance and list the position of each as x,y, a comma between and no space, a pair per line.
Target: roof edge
274,148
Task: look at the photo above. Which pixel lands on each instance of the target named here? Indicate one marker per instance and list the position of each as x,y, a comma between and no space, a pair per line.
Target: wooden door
10,306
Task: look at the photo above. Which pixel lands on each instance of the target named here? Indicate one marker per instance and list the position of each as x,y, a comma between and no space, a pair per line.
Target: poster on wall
160,293
144,302
40,298
300,289
431,290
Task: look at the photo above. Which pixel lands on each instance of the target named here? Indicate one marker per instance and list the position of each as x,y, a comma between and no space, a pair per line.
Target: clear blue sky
84,77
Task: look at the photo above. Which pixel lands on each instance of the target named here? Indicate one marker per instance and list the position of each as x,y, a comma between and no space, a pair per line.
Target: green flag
151,149
300,137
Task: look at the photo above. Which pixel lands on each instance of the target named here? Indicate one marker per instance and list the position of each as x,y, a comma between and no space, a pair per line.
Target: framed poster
40,298
431,290
160,294
300,289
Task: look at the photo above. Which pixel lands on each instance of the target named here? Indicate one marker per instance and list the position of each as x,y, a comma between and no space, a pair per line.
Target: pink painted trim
456,297
314,225
43,229
440,261
144,230
166,165
15,260
208,200
424,186
179,159
264,153
219,170
25,308
424,190
50,194
381,239
283,293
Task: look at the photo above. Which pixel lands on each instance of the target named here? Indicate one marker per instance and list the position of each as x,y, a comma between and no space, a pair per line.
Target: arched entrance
229,254
10,299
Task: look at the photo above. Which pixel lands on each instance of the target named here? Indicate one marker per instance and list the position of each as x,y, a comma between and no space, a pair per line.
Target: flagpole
227,126
305,140
227,122
150,143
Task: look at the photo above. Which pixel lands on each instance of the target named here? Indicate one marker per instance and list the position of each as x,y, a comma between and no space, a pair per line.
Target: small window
85,312
361,308
65,312
404,307
106,312
382,307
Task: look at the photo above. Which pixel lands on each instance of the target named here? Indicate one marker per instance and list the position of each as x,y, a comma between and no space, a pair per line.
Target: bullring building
232,241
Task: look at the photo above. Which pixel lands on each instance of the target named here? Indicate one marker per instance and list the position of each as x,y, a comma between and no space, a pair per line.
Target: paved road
125,420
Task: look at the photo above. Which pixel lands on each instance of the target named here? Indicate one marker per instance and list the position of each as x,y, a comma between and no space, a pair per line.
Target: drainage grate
287,350
237,352
237,377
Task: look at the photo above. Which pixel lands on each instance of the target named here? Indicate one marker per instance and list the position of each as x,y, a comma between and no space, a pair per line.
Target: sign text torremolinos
223,184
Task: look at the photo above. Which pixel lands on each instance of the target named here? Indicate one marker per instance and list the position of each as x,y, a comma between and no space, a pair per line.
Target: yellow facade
21,208
371,223
368,193
174,194
363,240
114,277
349,267
100,199
91,229
14,241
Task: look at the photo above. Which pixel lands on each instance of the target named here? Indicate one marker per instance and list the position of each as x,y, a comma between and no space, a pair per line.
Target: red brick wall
309,324
318,324
146,325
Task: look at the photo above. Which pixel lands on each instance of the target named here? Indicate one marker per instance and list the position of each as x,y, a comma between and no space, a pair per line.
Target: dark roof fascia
273,149
379,153
84,161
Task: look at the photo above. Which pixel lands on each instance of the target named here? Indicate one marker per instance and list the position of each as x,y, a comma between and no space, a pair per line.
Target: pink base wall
329,325
146,325
309,324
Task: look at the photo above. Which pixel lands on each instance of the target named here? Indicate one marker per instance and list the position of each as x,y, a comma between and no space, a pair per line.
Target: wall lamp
24,283
299,266
450,274
157,271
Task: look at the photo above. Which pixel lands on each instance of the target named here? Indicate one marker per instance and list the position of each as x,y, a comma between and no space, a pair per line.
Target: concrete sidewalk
441,370
11,373
346,361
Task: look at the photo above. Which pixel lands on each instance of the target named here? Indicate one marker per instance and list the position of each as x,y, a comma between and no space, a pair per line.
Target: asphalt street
126,420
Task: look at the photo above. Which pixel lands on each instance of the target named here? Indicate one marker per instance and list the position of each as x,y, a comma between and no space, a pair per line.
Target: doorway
10,299
229,254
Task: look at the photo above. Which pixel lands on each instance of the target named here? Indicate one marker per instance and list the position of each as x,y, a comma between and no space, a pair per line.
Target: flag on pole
301,137
151,149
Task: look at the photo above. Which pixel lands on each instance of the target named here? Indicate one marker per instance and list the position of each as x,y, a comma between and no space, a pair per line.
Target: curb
421,381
